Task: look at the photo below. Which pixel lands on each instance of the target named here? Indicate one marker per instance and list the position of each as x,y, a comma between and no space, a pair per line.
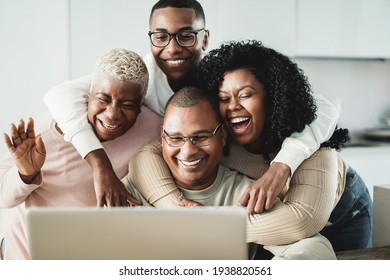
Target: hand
261,194
27,150
109,190
188,203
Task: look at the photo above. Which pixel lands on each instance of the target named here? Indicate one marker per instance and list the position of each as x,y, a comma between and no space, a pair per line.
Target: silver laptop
139,233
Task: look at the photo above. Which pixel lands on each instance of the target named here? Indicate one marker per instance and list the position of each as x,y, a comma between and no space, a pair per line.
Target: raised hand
27,150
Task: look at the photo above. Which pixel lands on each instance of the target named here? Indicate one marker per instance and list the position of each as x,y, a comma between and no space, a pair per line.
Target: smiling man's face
175,61
193,167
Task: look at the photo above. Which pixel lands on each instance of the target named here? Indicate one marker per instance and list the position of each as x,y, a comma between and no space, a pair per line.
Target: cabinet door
343,28
270,21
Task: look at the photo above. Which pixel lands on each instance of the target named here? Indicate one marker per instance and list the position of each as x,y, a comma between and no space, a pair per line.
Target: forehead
188,120
173,19
109,85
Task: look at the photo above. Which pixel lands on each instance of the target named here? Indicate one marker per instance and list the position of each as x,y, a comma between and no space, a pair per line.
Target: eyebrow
134,99
194,133
185,28
239,89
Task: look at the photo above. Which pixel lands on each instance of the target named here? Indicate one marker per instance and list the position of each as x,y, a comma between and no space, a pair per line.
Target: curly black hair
289,98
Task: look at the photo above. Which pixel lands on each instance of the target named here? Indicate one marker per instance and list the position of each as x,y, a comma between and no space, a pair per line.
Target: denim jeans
350,224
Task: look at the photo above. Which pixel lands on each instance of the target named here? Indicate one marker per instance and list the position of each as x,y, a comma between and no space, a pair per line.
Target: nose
173,46
188,149
234,104
113,111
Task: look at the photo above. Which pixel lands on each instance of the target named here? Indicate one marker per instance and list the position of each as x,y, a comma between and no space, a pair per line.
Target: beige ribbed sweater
309,196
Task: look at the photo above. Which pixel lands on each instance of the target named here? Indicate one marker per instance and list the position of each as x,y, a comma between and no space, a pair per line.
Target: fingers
245,198
132,201
30,128
19,133
8,142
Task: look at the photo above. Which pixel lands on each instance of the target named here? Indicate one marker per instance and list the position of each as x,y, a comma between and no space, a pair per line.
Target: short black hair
192,4
190,96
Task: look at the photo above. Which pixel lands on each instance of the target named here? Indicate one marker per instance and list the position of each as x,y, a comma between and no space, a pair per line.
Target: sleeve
299,146
151,176
306,207
13,190
67,104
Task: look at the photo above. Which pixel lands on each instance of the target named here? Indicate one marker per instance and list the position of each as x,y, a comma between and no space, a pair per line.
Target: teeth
108,126
190,163
175,62
238,120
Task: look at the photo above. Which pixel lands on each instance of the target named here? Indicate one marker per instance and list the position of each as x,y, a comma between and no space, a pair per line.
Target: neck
177,84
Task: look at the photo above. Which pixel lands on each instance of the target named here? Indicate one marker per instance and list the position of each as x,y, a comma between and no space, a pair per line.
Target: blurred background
343,46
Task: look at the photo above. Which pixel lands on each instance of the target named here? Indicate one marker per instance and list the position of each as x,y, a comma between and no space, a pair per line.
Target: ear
224,134
205,41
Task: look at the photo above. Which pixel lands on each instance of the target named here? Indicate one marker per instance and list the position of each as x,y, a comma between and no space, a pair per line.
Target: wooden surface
378,253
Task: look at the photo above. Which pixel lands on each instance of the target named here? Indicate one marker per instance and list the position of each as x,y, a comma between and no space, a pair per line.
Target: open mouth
109,127
175,62
239,123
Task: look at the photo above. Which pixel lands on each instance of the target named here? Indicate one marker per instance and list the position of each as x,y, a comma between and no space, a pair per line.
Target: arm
67,104
150,174
306,207
21,175
295,149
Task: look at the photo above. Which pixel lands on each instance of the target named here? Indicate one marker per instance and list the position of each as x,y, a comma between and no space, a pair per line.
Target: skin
113,107
177,62
242,104
243,98
193,168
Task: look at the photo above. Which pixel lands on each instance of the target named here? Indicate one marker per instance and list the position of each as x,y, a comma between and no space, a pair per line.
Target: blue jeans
350,224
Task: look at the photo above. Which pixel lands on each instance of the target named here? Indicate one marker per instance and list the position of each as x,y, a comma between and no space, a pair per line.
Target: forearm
306,207
67,104
150,174
13,190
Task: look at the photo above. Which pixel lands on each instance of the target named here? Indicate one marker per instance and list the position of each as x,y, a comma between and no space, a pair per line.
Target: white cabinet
372,164
270,21
343,28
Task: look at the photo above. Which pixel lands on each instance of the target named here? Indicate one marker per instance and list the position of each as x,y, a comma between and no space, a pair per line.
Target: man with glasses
193,142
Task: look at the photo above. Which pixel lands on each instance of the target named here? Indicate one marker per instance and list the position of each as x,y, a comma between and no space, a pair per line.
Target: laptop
137,233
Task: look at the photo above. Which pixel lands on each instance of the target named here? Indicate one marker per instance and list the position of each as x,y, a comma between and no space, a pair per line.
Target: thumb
40,146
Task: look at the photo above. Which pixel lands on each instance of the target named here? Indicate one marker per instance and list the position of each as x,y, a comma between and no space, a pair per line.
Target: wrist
28,179
99,161
282,169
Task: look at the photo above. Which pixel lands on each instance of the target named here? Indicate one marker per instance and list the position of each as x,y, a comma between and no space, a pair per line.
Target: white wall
34,56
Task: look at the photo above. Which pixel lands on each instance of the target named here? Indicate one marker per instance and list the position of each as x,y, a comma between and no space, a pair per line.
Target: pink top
66,179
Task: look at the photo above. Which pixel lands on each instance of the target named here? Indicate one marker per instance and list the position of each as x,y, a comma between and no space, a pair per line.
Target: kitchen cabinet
270,21
343,28
372,164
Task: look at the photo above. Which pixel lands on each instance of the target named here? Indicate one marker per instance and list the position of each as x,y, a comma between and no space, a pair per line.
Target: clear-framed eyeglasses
186,38
198,140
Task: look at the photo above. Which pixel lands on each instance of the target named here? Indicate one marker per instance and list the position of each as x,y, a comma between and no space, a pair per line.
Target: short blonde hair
125,66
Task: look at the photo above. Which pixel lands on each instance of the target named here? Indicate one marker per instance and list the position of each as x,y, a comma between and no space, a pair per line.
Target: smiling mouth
109,126
239,123
190,163
175,62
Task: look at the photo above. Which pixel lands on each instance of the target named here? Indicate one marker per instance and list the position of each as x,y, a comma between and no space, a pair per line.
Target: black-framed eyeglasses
198,140
186,38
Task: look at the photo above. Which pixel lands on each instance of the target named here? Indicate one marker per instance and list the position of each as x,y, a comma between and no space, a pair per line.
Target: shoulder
323,158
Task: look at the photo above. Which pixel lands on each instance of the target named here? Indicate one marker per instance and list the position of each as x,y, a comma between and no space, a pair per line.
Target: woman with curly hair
263,99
